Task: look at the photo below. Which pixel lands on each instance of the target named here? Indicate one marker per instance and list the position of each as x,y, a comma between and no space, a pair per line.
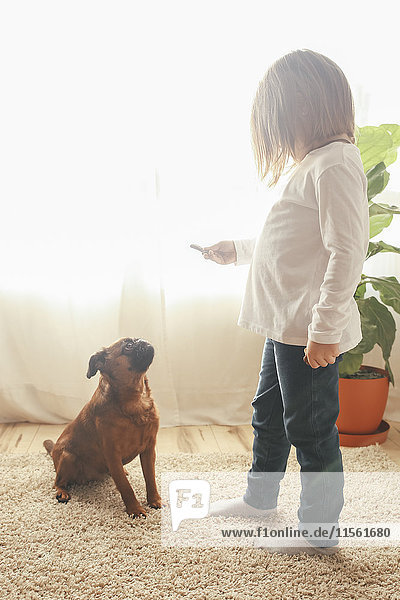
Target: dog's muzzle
140,353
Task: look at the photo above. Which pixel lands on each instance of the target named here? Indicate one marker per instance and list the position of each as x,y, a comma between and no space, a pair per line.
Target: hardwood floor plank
233,438
394,424
45,431
392,450
6,436
394,431
21,437
393,437
198,439
3,429
167,442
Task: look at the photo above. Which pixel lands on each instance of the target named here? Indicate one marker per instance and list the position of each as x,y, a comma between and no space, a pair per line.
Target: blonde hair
302,79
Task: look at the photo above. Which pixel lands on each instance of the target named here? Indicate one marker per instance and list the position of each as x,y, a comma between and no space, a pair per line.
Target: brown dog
120,422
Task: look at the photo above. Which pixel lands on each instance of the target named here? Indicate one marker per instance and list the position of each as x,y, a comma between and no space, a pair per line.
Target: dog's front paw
63,496
137,511
155,502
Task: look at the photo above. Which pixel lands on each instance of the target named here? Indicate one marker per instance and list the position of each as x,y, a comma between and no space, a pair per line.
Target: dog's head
123,360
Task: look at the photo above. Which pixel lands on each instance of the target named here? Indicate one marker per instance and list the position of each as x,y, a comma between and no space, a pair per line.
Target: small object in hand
197,247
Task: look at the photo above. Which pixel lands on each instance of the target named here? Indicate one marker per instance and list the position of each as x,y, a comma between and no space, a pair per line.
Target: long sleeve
244,251
344,228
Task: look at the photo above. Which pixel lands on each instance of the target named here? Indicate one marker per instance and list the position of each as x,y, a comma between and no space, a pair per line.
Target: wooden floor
18,438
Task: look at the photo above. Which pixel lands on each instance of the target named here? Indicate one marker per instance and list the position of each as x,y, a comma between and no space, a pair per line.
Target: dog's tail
49,445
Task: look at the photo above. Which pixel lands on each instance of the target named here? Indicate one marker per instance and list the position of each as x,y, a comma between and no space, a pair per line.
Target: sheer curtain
125,137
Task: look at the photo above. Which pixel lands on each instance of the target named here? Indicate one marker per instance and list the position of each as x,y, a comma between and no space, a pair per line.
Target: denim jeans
296,404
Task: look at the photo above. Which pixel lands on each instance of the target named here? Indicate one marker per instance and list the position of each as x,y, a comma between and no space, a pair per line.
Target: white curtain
124,138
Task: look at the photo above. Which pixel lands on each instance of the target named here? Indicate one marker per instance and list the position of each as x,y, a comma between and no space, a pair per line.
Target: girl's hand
319,355
223,253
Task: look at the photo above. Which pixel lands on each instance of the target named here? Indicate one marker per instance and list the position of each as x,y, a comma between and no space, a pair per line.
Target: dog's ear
96,363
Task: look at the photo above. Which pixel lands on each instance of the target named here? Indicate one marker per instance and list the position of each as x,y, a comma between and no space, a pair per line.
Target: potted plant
363,390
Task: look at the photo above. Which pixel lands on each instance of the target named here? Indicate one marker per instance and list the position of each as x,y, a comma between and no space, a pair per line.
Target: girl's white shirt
307,261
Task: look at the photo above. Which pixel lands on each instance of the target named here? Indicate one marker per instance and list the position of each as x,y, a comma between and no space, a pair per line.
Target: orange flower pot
362,402
356,440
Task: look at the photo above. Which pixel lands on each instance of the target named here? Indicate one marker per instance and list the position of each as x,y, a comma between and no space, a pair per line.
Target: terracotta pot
362,402
356,440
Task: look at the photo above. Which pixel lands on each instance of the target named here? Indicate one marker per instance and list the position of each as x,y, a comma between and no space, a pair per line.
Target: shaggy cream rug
89,549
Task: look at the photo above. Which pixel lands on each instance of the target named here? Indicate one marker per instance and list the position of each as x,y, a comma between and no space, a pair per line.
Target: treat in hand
223,253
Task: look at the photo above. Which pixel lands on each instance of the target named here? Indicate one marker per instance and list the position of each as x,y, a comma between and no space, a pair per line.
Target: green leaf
350,364
389,290
378,179
374,143
378,327
360,290
378,223
375,247
394,130
377,208
391,156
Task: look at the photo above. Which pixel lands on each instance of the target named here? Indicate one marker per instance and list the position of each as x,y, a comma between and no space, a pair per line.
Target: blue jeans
296,404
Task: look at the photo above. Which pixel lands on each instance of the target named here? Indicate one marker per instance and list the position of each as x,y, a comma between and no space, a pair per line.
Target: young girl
304,269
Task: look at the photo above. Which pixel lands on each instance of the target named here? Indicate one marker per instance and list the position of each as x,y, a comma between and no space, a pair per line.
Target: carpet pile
89,548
